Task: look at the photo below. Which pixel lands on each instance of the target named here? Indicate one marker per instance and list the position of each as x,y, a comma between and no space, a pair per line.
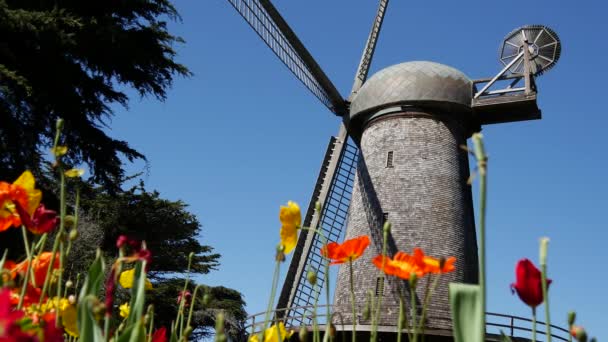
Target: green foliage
169,230
74,59
467,315
164,297
88,328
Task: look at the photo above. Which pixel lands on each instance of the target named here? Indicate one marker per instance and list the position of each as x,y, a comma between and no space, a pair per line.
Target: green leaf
134,324
87,325
504,338
467,316
94,279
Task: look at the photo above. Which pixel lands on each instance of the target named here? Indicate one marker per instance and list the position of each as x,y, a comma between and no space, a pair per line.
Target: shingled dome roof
413,82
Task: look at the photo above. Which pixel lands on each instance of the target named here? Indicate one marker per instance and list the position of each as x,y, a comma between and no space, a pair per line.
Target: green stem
547,315
273,290
106,328
76,205
324,241
375,322
352,299
62,213
29,267
427,300
59,235
400,322
533,324
192,305
482,159
413,313
179,320
60,280
151,326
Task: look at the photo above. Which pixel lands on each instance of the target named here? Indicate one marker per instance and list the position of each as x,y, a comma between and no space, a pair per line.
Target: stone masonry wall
427,201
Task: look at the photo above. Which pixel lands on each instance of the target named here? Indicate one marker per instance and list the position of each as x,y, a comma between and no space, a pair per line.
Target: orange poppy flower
402,265
39,265
349,250
434,265
21,192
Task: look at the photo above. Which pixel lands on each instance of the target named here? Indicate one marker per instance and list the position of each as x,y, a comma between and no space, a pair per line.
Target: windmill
397,157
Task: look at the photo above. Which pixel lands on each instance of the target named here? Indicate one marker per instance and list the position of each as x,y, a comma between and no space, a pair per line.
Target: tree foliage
74,59
229,301
170,231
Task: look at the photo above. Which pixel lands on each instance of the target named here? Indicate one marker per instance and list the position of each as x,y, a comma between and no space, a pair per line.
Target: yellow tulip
126,280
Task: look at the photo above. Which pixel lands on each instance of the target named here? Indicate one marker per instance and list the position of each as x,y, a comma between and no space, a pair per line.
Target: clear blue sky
242,136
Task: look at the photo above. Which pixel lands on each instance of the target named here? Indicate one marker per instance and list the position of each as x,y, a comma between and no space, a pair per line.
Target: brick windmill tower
397,157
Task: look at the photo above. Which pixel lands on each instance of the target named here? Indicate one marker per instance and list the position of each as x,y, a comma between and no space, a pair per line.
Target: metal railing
513,326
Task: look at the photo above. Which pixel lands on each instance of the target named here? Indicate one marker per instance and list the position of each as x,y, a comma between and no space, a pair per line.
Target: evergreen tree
73,59
170,233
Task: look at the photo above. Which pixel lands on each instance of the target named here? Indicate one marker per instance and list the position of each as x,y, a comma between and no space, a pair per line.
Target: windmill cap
420,83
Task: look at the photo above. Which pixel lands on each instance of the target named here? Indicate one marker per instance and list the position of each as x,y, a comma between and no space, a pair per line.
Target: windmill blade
268,23
370,47
333,190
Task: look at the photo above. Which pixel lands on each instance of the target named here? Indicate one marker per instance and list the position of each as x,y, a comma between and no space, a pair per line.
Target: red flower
186,296
43,220
160,335
349,250
528,283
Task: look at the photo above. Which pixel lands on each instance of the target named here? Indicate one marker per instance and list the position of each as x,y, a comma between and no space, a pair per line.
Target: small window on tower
379,286
389,159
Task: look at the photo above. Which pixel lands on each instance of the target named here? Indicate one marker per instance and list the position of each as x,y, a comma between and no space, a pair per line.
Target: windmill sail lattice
266,21
297,293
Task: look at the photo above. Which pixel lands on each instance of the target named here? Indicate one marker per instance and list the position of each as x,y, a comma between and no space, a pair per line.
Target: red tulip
528,283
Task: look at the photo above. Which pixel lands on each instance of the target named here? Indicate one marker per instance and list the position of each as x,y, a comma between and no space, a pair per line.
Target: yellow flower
73,173
126,280
291,220
271,334
290,214
69,318
21,192
124,310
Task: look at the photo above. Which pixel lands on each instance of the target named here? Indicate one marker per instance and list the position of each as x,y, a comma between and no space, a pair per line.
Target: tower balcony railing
512,326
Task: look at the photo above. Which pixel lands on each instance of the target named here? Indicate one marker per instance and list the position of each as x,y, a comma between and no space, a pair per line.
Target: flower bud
318,207
387,227
188,332
312,277
72,299
280,256
59,124
99,308
579,333
69,284
68,221
441,263
332,330
206,299
544,244
367,311
303,334
571,318
413,280
73,234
